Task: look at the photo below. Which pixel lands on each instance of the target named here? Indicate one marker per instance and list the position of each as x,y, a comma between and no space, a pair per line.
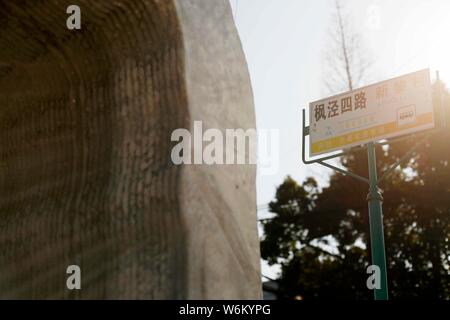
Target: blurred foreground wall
86,176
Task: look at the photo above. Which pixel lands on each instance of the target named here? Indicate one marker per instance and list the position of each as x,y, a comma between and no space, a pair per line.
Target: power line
268,278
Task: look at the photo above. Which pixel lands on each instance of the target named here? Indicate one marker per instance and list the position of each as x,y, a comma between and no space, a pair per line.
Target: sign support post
375,200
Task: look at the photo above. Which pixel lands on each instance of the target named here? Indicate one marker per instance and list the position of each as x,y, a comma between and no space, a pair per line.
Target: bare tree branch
347,63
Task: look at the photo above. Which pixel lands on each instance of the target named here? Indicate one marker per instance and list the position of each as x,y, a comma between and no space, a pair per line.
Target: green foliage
416,219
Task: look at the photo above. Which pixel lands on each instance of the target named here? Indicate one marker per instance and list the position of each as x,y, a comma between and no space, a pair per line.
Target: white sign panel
384,110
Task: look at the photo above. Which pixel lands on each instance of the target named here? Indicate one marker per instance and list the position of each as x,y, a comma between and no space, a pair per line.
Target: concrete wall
85,171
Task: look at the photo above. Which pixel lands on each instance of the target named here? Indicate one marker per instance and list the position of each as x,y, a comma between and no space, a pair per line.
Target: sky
285,42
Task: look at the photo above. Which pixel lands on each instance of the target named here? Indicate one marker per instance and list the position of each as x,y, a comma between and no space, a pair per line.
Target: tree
416,217
416,210
347,62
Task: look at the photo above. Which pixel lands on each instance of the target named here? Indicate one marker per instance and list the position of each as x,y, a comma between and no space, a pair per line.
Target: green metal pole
375,200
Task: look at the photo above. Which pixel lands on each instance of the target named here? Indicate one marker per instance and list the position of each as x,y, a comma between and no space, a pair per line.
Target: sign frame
404,119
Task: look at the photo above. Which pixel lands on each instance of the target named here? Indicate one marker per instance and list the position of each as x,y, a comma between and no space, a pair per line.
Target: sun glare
424,36
439,49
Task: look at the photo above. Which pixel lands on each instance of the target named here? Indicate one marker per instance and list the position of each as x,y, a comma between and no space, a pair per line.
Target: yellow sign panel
384,110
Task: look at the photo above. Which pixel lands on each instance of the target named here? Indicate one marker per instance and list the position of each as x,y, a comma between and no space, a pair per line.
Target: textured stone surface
86,177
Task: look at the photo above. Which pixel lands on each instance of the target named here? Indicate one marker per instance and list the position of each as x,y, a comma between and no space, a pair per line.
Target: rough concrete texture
86,176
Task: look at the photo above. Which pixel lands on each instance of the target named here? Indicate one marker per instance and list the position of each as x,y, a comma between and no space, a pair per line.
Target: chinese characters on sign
341,106
384,110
